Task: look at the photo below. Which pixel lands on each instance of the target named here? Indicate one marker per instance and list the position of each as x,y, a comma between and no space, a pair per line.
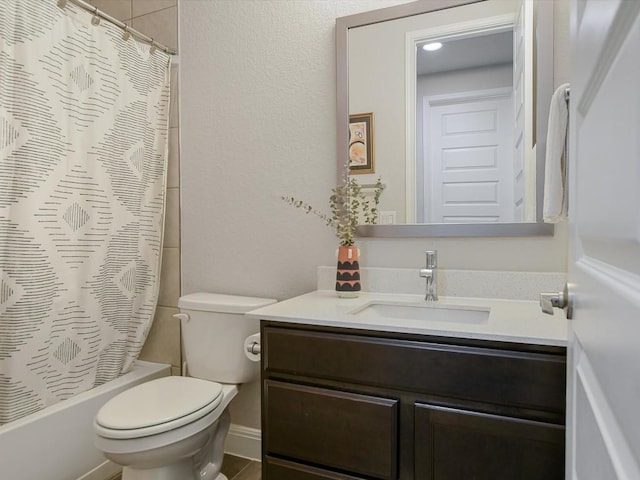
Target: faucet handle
432,258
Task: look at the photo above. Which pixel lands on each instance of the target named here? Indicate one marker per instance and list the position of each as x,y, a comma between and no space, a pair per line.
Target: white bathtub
57,443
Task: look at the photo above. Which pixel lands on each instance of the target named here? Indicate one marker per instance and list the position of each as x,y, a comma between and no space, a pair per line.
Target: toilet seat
157,406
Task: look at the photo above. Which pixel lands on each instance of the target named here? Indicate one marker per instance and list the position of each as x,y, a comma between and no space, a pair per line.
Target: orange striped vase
348,273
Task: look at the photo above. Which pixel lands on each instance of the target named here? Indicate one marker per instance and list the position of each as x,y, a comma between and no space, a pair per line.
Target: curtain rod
127,30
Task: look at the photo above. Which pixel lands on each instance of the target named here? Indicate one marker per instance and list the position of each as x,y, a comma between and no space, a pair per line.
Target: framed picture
361,159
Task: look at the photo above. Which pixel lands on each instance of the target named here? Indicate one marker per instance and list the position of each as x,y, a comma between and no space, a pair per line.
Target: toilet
174,427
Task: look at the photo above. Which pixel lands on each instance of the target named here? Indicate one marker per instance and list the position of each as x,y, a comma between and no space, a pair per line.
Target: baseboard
244,442
106,469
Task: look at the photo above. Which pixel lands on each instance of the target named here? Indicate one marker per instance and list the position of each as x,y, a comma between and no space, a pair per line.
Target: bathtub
57,443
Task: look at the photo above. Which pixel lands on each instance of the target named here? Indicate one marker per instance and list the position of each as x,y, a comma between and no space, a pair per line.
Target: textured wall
258,121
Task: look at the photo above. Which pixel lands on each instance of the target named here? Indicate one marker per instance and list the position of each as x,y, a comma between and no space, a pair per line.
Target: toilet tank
213,333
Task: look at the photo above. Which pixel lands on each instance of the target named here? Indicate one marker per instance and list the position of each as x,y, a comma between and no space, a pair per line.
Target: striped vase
348,273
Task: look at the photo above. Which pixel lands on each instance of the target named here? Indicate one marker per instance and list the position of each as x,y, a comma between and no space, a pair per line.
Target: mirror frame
544,90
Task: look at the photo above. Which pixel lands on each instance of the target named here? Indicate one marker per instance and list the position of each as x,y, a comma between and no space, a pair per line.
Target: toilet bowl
174,427
168,418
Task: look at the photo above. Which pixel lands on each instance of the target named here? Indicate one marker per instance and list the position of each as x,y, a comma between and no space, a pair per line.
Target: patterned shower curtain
83,152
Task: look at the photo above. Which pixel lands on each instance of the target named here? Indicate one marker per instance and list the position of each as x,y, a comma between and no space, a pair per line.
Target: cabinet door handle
562,300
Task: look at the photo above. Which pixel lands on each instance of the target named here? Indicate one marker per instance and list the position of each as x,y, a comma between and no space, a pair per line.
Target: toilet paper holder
253,348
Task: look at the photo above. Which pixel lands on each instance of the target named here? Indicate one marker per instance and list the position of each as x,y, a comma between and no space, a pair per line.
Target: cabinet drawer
277,469
452,444
527,380
346,431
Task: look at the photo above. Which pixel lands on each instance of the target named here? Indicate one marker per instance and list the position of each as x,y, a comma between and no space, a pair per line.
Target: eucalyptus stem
347,204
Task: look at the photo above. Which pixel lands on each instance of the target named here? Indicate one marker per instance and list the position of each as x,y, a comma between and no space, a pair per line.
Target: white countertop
519,321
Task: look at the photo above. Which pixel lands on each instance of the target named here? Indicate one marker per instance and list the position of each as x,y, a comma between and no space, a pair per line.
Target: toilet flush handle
181,316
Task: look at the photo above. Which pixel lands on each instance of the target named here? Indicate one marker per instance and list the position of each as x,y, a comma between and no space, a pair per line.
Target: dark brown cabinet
452,443
352,404
345,431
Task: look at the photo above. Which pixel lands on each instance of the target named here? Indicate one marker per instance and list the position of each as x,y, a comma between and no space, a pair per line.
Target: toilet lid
157,406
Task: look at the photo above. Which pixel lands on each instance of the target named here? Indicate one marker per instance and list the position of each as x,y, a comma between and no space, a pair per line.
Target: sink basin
431,312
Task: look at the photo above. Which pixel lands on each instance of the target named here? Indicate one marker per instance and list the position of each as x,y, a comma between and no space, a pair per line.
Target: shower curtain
83,152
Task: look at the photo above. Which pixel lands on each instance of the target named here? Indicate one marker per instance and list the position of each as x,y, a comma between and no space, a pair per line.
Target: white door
604,257
470,158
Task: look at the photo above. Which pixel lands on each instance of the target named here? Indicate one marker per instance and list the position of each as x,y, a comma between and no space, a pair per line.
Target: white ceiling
492,49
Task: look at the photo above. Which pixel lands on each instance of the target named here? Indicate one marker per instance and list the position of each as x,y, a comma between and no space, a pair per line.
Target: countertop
519,321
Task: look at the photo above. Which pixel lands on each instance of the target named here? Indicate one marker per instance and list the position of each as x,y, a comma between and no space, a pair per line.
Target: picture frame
361,151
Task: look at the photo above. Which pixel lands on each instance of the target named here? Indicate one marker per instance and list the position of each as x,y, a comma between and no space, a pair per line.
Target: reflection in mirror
466,157
456,131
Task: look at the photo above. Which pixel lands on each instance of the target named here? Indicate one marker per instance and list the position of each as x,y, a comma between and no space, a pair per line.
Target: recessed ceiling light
432,47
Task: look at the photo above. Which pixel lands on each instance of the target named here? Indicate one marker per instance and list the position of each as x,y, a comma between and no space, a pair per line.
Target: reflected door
469,147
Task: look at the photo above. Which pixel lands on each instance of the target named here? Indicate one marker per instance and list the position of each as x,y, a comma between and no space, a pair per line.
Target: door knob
562,300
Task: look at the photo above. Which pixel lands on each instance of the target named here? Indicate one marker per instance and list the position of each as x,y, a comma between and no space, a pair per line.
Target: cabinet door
344,431
453,444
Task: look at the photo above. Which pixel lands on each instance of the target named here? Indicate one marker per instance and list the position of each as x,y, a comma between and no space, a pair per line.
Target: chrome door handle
558,300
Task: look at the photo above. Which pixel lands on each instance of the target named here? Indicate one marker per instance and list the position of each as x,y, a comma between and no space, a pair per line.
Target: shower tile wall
159,20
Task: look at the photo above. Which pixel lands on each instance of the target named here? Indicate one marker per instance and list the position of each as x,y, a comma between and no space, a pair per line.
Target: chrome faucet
431,274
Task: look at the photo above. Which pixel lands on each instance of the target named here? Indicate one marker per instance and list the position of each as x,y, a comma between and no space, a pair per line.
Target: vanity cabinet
354,404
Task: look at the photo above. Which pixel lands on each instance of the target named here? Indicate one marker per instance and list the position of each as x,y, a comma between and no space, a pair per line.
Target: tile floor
235,468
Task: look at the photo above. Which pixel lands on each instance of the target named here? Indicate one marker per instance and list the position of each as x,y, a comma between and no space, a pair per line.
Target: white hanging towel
555,178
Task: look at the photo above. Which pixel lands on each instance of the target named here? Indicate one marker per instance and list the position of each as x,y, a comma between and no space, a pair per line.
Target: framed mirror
460,132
